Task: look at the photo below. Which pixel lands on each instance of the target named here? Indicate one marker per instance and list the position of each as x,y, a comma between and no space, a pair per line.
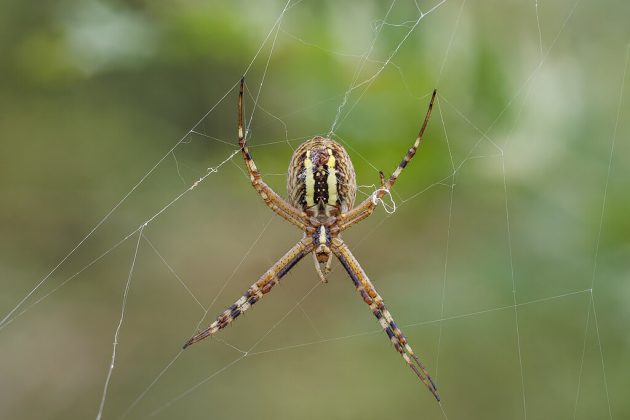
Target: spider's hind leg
371,297
257,290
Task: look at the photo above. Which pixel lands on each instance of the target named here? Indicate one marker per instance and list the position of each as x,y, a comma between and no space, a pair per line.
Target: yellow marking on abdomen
332,179
309,180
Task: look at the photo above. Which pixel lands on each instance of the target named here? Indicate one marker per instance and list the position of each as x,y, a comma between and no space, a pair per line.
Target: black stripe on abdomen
321,185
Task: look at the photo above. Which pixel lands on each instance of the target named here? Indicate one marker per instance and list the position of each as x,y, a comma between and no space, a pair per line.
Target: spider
322,188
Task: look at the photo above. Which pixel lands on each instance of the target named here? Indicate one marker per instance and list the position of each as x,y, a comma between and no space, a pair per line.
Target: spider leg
375,301
271,198
367,207
257,290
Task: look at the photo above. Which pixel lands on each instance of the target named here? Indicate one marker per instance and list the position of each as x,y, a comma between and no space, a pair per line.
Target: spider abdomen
321,179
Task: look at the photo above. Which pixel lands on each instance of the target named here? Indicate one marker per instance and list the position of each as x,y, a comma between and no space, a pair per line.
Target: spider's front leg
375,301
258,289
271,198
366,208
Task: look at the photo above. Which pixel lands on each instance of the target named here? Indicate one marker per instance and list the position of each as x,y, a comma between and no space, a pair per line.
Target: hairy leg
366,208
271,198
257,290
370,296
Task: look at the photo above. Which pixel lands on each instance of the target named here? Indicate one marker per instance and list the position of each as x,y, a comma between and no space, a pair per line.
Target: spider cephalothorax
322,188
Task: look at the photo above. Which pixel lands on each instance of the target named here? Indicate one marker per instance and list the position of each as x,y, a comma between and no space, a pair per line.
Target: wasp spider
322,188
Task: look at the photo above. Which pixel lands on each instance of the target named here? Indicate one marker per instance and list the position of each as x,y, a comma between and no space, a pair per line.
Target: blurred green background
498,304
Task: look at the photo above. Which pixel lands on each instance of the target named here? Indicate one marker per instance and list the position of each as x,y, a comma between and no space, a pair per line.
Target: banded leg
271,198
367,207
257,290
375,301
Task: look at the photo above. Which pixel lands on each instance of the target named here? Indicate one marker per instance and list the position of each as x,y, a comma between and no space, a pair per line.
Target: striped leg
366,208
257,290
271,198
375,301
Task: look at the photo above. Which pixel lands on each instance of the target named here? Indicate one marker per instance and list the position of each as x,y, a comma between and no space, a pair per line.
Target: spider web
476,252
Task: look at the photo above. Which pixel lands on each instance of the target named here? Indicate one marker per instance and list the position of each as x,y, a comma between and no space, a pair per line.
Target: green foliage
94,93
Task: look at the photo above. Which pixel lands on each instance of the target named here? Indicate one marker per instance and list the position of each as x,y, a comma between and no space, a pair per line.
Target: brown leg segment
256,290
271,198
375,301
366,208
